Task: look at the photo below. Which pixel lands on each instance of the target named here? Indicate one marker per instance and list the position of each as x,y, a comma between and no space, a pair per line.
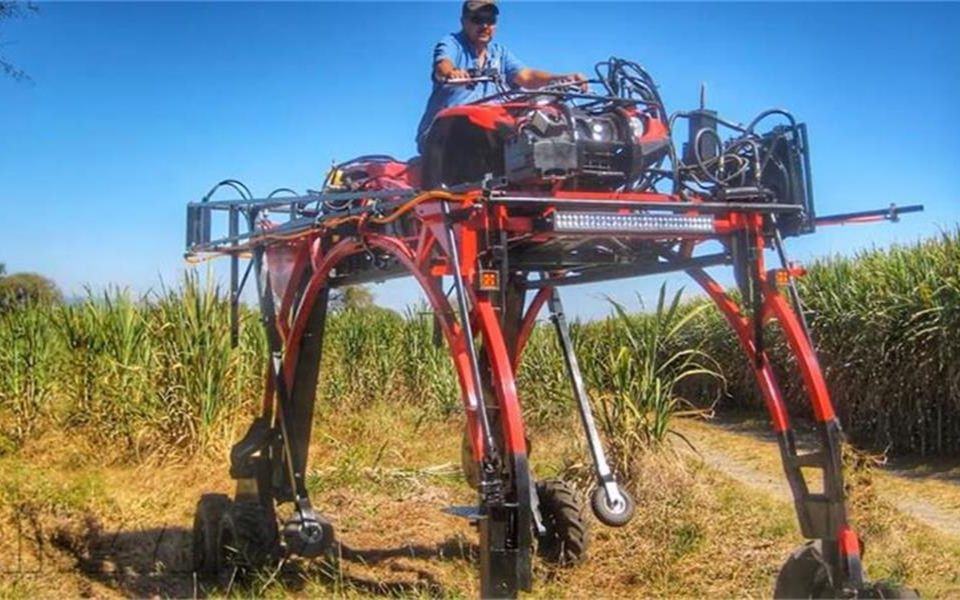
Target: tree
354,297
27,288
12,9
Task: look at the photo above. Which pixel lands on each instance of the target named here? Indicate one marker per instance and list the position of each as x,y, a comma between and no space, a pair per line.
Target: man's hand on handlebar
458,74
570,80
446,72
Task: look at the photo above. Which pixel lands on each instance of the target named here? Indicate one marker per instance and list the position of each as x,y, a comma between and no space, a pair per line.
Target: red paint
503,383
803,352
654,130
288,291
744,330
486,116
849,542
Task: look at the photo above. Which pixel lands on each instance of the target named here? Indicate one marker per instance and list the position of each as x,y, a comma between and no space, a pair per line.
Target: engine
601,150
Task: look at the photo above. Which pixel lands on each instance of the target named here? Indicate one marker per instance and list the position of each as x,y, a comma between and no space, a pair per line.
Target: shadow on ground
158,562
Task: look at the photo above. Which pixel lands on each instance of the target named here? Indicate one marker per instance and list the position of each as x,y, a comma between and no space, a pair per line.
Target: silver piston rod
604,475
490,454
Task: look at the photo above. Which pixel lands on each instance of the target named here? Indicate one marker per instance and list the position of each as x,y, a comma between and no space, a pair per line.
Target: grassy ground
77,526
929,490
908,518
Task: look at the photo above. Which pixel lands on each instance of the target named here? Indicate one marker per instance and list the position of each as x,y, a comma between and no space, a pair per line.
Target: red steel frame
426,256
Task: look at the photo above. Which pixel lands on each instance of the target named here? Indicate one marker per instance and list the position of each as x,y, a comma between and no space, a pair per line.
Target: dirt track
748,453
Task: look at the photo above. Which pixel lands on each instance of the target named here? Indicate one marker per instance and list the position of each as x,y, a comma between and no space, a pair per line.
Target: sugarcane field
291,306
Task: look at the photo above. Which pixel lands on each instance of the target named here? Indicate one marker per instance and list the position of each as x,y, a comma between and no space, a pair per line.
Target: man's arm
443,69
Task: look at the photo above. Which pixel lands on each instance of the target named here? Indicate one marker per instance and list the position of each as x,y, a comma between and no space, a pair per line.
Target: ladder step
471,513
809,459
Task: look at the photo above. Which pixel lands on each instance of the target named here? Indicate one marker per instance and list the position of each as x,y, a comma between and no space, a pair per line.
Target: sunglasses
483,19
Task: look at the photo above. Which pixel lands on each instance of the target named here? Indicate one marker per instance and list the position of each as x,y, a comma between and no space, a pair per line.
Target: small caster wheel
206,533
616,515
565,540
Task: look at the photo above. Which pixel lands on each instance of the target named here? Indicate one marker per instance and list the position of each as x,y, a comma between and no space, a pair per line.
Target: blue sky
137,109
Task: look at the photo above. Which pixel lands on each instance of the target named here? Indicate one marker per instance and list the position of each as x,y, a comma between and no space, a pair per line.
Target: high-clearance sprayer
517,196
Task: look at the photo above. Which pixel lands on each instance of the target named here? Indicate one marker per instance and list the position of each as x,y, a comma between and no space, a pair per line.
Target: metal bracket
307,534
256,438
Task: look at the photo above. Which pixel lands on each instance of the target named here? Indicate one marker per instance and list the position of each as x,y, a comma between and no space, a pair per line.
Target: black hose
773,111
238,186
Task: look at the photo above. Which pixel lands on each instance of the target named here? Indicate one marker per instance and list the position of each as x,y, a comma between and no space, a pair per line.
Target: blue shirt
457,49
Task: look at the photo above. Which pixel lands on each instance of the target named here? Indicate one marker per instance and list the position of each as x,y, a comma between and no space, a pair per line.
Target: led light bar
606,222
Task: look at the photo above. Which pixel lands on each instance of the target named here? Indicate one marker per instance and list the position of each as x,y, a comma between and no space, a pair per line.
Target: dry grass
115,530
900,544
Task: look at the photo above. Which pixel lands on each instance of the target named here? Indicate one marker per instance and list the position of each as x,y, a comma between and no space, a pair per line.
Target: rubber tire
804,575
606,514
248,540
206,533
566,538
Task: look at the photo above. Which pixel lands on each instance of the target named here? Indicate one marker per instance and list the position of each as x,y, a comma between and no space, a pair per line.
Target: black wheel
612,516
248,540
206,533
804,574
565,541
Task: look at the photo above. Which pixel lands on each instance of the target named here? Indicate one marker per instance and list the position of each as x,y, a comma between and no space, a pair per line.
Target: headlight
636,127
597,129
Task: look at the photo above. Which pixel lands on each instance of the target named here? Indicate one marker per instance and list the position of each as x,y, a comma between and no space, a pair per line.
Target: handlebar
495,78
470,80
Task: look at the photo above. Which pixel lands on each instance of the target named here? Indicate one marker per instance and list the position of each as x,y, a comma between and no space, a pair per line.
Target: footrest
471,513
256,438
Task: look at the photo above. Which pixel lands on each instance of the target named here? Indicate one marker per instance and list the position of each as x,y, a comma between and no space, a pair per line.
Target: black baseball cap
472,6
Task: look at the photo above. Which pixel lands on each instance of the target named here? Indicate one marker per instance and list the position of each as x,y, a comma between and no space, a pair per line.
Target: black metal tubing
373,274
791,281
305,376
275,345
490,454
234,229
807,174
890,213
291,227
607,273
600,465
305,533
308,219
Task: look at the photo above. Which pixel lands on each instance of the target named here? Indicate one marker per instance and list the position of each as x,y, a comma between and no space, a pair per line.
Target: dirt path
747,452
